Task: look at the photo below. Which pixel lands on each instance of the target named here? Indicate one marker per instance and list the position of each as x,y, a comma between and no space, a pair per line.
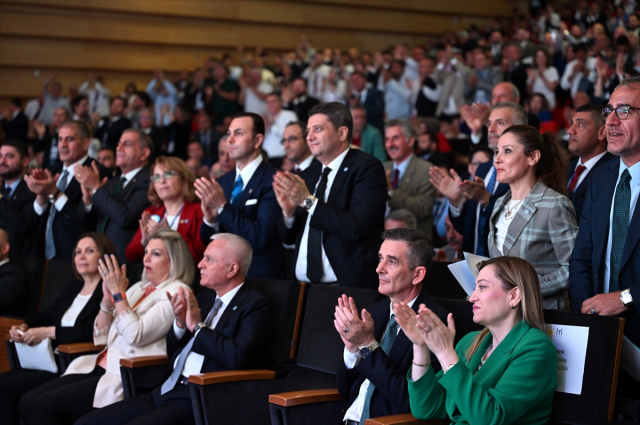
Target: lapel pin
526,211
250,191
345,169
235,308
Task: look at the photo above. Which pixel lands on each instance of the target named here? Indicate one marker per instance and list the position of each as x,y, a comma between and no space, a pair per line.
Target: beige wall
124,40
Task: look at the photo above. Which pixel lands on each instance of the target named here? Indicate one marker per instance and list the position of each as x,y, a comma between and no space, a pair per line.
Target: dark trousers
62,400
13,385
153,409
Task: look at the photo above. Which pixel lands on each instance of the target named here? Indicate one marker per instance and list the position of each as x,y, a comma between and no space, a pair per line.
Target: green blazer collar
505,348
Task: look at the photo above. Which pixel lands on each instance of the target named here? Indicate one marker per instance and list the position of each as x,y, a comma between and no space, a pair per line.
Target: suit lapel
251,185
236,301
142,174
601,212
523,215
409,173
341,176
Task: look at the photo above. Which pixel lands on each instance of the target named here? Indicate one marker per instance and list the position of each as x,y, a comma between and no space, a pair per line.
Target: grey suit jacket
415,192
543,232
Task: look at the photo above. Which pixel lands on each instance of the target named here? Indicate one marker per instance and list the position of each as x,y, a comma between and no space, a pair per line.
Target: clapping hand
179,304
449,186
354,332
407,319
114,278
192,316
292,186
438,336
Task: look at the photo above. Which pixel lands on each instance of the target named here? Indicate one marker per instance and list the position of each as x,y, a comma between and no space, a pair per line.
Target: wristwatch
446,369
368,349
199,326
626,298
119,296
308,202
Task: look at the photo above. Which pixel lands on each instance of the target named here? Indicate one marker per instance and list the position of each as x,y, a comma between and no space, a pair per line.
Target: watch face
364,352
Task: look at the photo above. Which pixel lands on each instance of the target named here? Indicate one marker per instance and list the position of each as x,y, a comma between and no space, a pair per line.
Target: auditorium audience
365,136
46,144
276,121
173,205
520,380
370,98
206,336
178,131
543,76
109,129
14,121
296,99
208,137
146,123
163,94
131,322
398,91
52,99
80,109
534,220
12,281
400,219
67,319
377,353
225,163
408,182
107,158
295,145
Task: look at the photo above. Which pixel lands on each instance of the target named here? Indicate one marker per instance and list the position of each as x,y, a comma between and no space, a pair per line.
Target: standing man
16,200
208,137
604,271
277,119
296,147
146,123
301,104
372,380
14,122
336,229
398,91
370,98
243,202
114,208
408,182
110,129
366,136
588,141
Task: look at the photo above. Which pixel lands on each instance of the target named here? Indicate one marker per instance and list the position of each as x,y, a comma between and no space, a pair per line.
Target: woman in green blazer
504,374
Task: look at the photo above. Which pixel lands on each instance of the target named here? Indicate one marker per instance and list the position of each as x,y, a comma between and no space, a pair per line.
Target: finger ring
104,273
346,330
428,329
593,311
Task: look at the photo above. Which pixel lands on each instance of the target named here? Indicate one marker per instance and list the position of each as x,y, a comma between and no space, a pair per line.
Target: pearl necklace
507,215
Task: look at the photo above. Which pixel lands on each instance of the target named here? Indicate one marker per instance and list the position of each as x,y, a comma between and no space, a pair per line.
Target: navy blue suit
466,223
255,217
387,372
577,197
587,264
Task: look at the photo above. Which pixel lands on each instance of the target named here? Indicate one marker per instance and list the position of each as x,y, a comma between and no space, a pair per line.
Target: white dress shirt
62,200
589,164
305,163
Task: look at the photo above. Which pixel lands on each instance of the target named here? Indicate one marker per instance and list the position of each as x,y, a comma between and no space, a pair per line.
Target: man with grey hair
408,182
225,328
400,219
471,202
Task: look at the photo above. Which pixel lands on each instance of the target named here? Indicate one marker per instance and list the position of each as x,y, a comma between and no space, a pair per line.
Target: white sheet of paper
463,275
473,260
630,359
571,347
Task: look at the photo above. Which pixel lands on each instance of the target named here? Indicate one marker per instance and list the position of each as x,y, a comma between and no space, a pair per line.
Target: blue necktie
237,190
620,227
482,220
49,243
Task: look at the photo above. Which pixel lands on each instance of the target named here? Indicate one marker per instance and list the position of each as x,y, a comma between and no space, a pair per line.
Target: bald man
13,285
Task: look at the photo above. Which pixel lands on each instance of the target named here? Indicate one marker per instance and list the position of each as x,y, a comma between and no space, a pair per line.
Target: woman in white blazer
130,324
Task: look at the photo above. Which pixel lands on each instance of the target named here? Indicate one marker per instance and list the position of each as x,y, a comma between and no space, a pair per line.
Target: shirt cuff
351,360
475,139
61,202
179,333
215,226
455,211
37,208
288,222
87,208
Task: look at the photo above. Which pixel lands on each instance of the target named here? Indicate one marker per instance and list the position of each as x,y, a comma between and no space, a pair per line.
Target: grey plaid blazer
543,232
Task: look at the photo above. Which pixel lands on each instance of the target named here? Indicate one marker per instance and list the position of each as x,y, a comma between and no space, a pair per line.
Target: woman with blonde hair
174,206
504,374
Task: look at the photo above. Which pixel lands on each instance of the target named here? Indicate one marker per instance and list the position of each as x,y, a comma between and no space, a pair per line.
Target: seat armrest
405,419
80,347
297,398
144,361
231,376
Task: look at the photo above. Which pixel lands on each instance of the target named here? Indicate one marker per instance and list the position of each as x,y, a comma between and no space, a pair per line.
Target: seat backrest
320,345
58,275
440,282
462,316
594,405
286,301
34,272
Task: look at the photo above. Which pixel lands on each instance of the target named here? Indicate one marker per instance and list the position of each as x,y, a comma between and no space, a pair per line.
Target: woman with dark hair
534,220
67,319
504,374
543,77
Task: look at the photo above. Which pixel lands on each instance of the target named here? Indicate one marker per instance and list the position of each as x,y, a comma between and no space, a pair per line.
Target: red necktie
576,177
396,177
296,170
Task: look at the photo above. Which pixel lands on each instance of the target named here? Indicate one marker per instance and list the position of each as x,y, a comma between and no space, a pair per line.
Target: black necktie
314,244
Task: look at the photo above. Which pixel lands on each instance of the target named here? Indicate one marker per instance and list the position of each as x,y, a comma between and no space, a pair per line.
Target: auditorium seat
34,269
440,282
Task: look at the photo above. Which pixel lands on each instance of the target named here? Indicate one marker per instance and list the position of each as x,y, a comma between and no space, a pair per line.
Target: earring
513,307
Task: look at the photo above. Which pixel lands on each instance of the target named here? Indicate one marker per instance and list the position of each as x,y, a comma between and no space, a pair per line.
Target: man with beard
16,199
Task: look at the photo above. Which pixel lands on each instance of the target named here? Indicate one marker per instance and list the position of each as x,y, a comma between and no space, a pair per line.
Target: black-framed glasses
622,111
167,175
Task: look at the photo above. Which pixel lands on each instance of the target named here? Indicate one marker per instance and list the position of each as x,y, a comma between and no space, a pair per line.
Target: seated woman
174,205
130,324
534,220
68,319
504,374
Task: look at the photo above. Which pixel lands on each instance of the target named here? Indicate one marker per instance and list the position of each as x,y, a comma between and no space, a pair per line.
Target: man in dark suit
336,229
604,271
588,141
16,200
146,123
302,103
517,71
371,98
243,202
15,122
223,330
208,137
471,202
58,194
110,128
372,379
13,283
114,208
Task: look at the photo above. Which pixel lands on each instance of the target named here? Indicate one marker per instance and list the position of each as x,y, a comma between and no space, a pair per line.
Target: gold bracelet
421,364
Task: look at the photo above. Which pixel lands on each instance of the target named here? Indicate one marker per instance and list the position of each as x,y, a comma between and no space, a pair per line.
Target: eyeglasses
289,139
622,111
166,175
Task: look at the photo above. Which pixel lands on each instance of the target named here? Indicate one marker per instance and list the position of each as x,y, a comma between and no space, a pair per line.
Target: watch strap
119,296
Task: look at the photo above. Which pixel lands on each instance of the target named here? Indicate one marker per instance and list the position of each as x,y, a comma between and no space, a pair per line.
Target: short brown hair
181,168
103,243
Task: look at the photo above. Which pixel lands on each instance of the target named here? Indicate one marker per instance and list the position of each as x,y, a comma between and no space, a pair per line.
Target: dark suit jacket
110,131
13,287
239,338
67,226
17,128
157,137
387,372
587,264
254,218
123,212
45,145
519,79
466,223
82,331
214,139
14,219
374,104
351,220
302,108
577,197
